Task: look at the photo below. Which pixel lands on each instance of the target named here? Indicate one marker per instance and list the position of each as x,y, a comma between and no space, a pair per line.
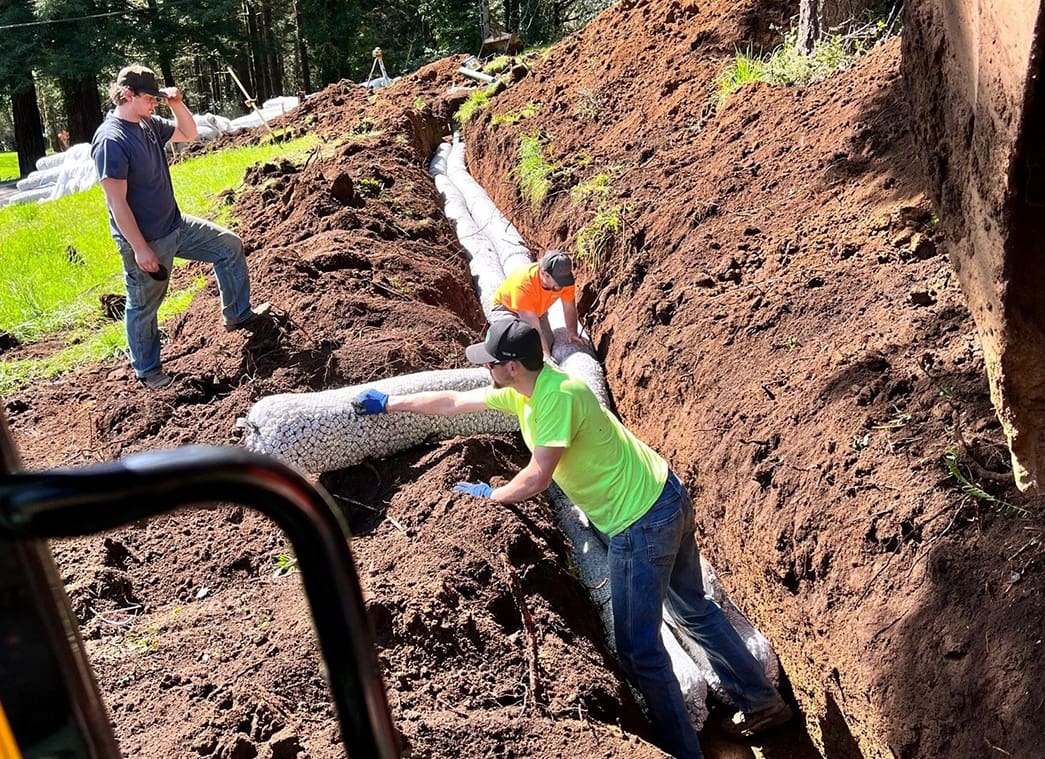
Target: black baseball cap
559,267
507,340
140,79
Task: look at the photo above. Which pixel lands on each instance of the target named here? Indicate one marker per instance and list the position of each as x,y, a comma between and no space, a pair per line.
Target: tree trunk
512,16
163,51
243,72
82,108
257,67
817,18
302,48
272,56
29,129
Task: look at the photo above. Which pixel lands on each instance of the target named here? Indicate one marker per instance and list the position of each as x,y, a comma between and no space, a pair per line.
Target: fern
971,489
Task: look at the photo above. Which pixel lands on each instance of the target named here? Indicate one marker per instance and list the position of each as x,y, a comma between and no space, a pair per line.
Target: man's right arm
116,198
433,402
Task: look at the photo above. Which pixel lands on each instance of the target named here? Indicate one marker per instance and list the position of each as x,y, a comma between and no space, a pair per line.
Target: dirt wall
973,73
778,315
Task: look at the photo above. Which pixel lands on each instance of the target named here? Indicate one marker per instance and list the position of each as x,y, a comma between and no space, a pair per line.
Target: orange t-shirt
522,291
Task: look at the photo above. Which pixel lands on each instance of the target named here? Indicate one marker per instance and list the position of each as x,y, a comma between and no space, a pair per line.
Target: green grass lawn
56,258
8,166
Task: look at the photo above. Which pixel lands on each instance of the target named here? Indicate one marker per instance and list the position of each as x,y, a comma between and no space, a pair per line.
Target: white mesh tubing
320,432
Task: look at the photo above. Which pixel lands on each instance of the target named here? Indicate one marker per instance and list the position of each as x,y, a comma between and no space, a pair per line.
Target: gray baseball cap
559,267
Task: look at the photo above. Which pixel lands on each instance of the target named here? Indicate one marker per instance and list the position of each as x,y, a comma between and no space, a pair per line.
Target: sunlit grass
476,102
594,238
94,342
56,258
8,167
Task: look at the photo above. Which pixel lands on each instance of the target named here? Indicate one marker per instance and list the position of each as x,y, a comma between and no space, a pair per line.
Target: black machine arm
65,503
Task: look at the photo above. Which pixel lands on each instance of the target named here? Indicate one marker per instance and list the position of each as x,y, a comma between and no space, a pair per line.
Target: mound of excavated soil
776,315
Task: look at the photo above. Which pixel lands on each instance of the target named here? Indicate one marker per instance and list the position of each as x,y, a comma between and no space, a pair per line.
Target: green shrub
787,65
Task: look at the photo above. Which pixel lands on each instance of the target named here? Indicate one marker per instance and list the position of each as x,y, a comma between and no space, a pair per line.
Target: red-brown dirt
777,317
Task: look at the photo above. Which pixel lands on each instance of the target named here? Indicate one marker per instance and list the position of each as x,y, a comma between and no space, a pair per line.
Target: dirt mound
776,315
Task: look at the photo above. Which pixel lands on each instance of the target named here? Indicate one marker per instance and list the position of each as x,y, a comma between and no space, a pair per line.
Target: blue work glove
478,489
370,402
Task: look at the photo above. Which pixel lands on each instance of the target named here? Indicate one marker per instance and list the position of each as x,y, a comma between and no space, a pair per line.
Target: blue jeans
654,560
196,240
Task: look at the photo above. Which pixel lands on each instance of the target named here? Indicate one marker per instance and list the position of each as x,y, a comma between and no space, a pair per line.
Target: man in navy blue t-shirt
149,229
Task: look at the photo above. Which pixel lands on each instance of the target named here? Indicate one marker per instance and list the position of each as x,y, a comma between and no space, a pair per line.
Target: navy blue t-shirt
134,152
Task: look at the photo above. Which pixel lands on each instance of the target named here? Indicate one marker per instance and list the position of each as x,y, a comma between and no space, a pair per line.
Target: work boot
258,311
157,381
744,726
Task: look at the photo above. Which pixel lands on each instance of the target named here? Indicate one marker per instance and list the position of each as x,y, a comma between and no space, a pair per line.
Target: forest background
58,57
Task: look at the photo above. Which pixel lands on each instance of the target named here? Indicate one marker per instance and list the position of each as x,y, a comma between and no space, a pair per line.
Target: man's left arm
532,479
184,125
569,312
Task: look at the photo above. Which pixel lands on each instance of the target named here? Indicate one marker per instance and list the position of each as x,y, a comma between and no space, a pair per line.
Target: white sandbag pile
483,262
210,126
270,109
507,243
320,432
57,175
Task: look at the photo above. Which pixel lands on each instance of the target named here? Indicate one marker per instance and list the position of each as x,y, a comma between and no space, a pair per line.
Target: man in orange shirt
529,292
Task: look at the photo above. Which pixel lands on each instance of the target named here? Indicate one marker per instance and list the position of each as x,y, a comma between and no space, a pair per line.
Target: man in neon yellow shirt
629,493
530,291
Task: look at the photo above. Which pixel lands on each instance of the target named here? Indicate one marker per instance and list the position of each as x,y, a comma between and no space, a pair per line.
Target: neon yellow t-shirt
608,472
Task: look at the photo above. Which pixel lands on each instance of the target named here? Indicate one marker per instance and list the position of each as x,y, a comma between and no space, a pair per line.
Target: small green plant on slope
594,239
476,102
971,489
533,172
528,111
284,565
145,639
596,186
369,187
498,64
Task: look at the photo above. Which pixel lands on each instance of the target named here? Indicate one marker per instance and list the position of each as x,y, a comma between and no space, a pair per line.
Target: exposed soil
777,317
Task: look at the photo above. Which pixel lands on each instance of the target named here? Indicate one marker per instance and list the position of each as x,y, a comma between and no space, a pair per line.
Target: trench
316,433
